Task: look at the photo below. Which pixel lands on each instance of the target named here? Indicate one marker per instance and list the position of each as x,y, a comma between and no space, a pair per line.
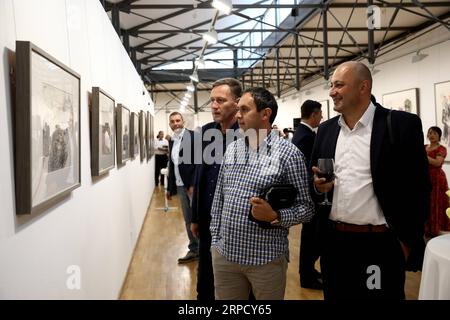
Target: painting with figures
147,135
102,132
134,135
47,130
325,110
442,105
404,100
123,134
142,135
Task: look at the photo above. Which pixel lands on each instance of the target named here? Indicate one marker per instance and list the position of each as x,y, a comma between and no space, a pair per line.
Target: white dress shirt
176,156
160,144
354,199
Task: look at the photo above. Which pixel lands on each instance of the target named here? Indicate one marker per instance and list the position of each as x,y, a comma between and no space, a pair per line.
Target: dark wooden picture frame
47,130
147,135
152,136
142,135
134,135
103,132
123,134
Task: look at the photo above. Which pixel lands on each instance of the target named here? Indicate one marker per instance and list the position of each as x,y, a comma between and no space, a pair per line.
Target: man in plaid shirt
244,254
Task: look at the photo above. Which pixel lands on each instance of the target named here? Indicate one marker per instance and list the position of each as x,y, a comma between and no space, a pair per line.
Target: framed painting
325,110
103,130
134,135
47,129
152,136
142,135
147,134
405,100
442,104
123,134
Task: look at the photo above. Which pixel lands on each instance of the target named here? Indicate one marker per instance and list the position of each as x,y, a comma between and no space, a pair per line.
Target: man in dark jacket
181,176
215,136
380,194
311,115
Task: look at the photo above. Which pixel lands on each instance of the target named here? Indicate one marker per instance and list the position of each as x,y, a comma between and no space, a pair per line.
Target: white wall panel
7,39
96,228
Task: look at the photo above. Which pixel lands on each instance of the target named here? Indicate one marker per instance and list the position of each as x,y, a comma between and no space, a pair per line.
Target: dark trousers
309,251
352,265
205,275
160,163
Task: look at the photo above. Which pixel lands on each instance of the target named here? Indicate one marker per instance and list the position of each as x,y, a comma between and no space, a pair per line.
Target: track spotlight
211,36
199,62
194,76
418,57
223,6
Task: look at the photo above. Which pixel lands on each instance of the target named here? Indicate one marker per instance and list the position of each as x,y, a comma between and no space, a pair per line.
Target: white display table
435,283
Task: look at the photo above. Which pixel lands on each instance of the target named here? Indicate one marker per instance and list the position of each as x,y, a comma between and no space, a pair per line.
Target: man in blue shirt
246,256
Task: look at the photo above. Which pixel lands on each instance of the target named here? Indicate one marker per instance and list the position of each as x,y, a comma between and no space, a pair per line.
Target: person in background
224,98
437,219
246,256
287,134
161,152
304,136
181,176
380,191
278,131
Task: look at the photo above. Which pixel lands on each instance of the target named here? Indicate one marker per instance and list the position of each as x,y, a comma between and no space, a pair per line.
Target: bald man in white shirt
380,194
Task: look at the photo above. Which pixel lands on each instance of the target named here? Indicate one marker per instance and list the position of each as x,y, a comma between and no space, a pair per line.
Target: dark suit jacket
304,140
186,168
399,170
201,211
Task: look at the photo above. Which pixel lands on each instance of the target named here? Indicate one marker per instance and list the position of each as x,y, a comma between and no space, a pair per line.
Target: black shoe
190,256
315,284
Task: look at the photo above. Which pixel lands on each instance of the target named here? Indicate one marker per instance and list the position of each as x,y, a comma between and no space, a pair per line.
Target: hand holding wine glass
324,179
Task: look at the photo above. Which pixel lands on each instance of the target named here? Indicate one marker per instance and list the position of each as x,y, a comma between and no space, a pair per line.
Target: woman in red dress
437,219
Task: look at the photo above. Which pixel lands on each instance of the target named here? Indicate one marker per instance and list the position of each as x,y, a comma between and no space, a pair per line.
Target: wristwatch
277,219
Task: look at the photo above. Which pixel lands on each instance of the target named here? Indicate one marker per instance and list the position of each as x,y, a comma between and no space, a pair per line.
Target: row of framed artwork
47,130
134,133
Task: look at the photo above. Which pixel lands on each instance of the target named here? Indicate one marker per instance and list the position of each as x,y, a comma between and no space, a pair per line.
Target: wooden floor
155,274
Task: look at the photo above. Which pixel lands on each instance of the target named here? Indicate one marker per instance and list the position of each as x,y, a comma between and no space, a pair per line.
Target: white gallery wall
88,238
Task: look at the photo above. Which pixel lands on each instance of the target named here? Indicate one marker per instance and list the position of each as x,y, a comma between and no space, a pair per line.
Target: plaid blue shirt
246,173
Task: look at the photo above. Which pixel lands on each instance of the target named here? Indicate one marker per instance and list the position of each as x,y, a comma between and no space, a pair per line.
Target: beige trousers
233,281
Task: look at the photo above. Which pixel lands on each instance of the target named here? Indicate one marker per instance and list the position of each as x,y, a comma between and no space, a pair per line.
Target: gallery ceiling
279,44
